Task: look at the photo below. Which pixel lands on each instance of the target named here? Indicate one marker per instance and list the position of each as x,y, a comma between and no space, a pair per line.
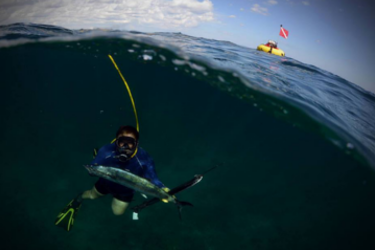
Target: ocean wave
292,91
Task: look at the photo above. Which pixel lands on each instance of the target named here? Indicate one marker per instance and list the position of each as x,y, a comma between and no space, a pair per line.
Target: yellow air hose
130,95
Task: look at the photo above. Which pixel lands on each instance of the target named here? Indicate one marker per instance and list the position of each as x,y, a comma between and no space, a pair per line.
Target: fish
197,178
135,182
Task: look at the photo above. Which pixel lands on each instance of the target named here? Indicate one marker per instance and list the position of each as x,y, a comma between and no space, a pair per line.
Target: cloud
272,2
305,3
232,16
167,14
259,9
242,9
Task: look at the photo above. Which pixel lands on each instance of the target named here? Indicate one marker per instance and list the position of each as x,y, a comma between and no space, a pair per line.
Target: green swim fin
66,217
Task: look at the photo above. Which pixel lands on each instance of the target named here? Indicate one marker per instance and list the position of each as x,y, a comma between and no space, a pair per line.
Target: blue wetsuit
141,164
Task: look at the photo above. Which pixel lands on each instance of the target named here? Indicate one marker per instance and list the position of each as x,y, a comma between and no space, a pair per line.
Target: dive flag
283,32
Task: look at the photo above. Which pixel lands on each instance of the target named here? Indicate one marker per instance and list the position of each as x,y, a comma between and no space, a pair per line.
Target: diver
125,154
272,44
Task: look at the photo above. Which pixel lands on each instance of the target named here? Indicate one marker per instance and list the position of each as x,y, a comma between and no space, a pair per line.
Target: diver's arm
150,174
100,156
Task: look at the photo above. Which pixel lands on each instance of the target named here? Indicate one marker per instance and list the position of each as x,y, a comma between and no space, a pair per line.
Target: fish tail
181,204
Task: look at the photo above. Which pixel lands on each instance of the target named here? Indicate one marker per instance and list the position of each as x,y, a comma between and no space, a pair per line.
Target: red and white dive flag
283,32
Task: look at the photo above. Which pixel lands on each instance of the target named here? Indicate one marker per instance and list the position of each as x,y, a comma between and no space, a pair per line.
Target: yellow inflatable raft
275,51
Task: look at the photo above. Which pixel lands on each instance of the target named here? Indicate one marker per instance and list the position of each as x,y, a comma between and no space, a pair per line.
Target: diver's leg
118,206
91,194
98,190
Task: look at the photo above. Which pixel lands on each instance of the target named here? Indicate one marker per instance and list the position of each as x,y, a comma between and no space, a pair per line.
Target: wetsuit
141,164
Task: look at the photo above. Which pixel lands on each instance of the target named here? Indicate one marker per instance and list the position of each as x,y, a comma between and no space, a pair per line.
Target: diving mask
125,147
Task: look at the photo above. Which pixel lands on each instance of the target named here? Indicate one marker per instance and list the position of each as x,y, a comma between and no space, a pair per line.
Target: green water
276,187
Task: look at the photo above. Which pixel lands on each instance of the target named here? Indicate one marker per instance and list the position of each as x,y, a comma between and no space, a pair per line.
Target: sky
335,35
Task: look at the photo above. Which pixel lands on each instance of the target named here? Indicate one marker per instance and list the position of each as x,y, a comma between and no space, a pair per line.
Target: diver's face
130,145
126,146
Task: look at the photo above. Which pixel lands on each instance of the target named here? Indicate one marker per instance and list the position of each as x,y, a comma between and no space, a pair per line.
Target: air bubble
178,62
147,57
197,67
349,145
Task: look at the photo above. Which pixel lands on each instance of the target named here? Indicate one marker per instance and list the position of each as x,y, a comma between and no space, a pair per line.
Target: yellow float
271,47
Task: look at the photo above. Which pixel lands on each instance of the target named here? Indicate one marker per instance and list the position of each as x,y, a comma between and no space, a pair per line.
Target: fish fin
181,204
185,203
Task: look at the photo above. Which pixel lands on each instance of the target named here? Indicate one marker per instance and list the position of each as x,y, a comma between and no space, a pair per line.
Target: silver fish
134,182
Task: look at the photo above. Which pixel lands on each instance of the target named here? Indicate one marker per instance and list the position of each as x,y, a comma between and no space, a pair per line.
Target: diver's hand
167,190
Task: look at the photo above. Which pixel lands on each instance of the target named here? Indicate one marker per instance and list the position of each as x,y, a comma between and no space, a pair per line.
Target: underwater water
294,144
